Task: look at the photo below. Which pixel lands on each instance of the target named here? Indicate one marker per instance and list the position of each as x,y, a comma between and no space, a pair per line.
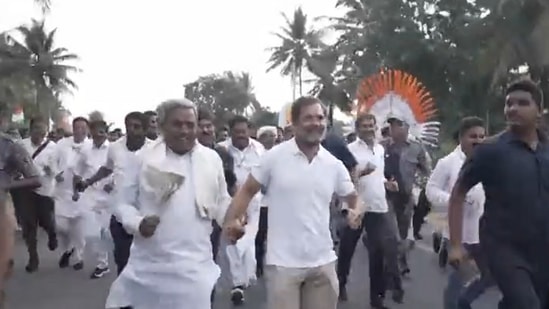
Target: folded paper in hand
164,184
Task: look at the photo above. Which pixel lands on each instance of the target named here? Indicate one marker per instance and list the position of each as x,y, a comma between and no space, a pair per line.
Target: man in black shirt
513,167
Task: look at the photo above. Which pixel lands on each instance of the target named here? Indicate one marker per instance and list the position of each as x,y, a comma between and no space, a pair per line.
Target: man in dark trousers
14,161
513,168
381,240
39,207
404,159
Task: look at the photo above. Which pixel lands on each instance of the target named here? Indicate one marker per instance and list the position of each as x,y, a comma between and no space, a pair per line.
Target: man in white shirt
267,136
439,187
168,201
300,178
98,196
246,153
382,243
121,158
70,214
39,211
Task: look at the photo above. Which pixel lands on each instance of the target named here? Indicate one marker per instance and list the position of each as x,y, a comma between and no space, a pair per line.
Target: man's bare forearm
103,172
238,206
352,200
31,183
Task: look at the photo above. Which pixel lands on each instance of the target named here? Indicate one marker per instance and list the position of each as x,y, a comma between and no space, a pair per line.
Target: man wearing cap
404,158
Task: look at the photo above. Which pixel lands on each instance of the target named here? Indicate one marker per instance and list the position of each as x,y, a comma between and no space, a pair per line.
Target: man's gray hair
168,106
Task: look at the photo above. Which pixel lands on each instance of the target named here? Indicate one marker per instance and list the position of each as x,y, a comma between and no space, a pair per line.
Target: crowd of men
168,189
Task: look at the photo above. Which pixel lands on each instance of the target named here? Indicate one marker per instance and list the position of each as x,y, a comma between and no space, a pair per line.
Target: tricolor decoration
285,116
394,93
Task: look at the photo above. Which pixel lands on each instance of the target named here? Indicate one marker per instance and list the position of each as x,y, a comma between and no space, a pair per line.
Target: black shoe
259,272
99,272
32,265
52,242
418,236
65,259
343,293
443,257
437,242
78,266
398,296
237,296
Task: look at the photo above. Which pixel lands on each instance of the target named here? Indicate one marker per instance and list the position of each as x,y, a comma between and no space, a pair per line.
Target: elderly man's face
268,139
179,130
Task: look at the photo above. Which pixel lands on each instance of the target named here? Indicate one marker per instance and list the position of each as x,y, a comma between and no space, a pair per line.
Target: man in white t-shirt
300,177
381,241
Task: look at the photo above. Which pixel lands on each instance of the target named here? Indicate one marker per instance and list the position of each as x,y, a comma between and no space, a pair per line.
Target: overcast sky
135,53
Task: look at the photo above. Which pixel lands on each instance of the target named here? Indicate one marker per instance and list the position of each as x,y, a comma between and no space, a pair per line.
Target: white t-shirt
299,193
45,158
371,188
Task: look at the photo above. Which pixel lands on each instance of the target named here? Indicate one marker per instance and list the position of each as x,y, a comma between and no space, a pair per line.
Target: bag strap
40,148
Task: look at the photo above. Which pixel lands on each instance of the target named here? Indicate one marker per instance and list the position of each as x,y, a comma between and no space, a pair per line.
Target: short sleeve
344,184
475,168
22,161
111,155
262,172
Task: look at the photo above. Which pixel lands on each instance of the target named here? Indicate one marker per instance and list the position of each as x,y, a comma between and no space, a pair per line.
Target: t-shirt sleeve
344,185
476,168
262,172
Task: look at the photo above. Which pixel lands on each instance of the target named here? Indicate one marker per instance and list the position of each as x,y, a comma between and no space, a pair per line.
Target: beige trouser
302,288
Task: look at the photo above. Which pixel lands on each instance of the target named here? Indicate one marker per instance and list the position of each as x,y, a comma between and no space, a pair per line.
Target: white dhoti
241,256
164,285
98,235
71,232
70,219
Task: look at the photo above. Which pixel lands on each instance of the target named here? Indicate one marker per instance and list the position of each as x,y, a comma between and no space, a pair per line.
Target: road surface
53,288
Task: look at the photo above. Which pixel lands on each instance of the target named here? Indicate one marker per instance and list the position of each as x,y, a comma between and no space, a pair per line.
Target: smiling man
300,178
168,201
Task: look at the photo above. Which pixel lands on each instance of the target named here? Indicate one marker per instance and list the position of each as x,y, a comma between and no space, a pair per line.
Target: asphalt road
53,288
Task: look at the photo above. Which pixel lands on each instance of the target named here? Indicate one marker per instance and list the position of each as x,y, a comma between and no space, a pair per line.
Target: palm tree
298,45
513,34
45,5
36,58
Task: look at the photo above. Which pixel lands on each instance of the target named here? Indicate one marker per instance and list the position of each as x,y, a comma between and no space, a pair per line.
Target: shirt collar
459,152
363,143
103,146
322,152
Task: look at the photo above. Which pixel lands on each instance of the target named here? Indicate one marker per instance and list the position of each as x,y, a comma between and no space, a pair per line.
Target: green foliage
225,95
35,65
465,52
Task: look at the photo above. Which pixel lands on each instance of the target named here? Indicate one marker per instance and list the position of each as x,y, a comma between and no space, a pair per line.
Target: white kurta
90,161
439,188
241,256
174,269
66,158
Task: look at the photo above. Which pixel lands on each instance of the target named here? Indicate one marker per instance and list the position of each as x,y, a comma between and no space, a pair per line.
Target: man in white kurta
97,197
246,153
171,264
70,214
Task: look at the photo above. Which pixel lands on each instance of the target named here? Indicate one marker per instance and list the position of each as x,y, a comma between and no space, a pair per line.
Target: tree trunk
294,82
300,79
